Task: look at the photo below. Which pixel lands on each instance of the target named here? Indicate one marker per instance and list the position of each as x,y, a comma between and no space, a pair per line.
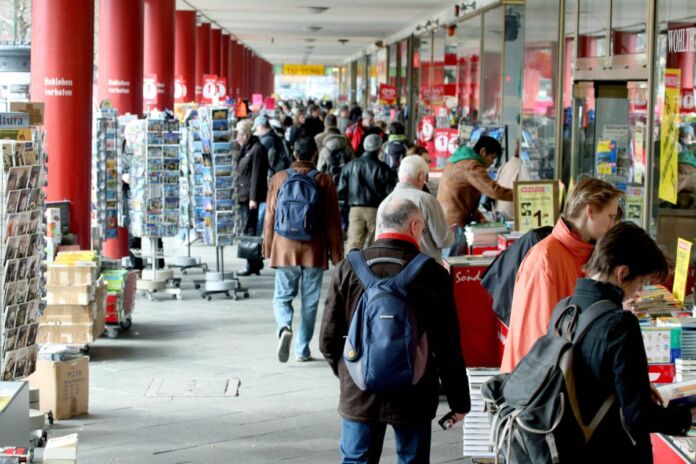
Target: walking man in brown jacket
300,265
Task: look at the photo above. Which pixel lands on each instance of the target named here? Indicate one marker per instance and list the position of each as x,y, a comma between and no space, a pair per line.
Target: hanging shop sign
180,90
681,270
669,139
536,204
387,94
210,88
150,90
303,69
14,120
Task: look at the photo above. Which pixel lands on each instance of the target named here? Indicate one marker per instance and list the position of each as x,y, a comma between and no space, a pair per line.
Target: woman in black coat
251,184
611,357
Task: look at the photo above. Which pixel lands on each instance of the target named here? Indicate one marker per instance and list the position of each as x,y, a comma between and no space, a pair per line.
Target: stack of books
477,424
686,370
484,235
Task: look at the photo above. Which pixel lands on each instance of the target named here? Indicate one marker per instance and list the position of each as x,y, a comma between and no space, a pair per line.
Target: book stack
202,183
686,370
477,424
21,248
223,173
106,174
484,235
678,394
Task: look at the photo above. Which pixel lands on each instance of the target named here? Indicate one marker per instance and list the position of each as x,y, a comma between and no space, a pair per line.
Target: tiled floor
284,412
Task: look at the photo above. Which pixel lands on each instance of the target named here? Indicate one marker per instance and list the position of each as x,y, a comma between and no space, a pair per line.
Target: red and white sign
688,101
446,142
222,88
426,129
387,94
149,90
210,88
180,90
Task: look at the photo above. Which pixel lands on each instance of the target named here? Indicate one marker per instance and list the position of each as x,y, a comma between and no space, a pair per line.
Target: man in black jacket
409,411
363,184
252,184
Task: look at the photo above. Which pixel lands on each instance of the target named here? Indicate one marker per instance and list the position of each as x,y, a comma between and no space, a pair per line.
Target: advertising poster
634,205
210,88
681,270
669,140
536,204
387,94
606,158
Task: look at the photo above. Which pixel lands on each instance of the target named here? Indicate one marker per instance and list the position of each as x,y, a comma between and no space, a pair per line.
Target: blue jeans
362,443
459,248
288,280
262,215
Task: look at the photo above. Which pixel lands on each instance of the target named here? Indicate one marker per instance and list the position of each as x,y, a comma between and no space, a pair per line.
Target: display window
628,19
593,28
492,63
404,86
468,64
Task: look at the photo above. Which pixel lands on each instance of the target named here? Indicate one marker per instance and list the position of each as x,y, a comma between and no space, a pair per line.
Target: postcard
12,201
10,317
23,200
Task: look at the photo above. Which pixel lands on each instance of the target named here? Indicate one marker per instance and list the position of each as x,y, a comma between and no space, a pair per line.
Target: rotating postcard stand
190,144
154,199
214,206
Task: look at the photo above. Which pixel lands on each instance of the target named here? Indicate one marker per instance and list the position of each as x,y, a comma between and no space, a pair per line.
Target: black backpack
337,159
536,416
396,151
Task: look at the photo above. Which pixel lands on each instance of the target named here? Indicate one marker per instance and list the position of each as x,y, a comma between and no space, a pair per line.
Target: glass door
609,137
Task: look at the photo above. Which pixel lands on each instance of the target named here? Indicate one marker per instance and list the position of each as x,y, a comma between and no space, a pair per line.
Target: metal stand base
184,263
217,283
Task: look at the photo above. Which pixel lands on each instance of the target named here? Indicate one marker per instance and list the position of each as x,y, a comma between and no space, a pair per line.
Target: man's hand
253,204
458,417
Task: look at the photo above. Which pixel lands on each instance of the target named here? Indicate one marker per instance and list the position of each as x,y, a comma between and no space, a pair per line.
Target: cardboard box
70,314
63,385
69,334
61,274
70,295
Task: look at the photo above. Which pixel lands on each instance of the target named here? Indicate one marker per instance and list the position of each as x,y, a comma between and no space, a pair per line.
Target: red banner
210,87
387,94
150,90
180,90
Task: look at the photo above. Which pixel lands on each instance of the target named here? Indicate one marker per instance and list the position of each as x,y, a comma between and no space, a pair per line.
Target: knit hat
372,142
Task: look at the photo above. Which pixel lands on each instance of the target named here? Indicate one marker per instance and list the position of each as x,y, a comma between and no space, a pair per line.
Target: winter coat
437,233
611,358
461,187
252,172
325,245
547,274
313,126
365,181
338,146
499,278
431,295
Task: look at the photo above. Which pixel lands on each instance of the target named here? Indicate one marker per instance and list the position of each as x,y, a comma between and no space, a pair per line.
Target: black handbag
250,248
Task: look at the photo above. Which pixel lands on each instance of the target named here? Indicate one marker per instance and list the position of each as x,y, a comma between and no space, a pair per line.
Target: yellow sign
536,204
669,141
681,271
303,69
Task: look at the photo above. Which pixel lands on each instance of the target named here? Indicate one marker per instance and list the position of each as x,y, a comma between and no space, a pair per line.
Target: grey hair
412,167
396,214
245,126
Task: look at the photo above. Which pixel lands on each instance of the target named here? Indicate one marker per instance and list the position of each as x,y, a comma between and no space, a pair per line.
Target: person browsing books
610,358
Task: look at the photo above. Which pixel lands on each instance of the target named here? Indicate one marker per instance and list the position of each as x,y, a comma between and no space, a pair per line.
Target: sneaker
304,359
284,344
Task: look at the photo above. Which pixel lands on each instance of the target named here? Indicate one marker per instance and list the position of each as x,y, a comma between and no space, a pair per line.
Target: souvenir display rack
22,249
154,203
106,175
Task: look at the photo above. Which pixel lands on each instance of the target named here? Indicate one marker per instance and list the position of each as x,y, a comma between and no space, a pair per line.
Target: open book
679,394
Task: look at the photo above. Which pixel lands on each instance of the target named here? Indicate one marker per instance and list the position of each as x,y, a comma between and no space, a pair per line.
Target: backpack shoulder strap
558,312
411,270
312,174
291,172
590,315
365,275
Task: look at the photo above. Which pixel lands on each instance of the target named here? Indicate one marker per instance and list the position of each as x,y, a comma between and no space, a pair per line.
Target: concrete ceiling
285,31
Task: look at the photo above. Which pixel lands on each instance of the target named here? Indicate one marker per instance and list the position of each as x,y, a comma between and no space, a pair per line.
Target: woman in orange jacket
549,271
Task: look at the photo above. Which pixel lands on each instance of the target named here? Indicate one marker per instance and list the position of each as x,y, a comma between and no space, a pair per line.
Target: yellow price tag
681,271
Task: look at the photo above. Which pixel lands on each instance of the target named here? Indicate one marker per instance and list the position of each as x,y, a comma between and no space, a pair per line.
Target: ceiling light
316,9
312,28
343,41
309,39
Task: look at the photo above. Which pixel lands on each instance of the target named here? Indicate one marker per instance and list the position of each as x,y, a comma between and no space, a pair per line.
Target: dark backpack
536,416
335,162
385,350
278,156
395,153
296,210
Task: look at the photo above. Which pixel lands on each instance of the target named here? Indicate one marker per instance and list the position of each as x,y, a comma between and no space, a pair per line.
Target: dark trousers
250,218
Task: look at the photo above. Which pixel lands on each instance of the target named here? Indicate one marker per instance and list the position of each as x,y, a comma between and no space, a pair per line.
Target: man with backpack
405,299
302,232
396,147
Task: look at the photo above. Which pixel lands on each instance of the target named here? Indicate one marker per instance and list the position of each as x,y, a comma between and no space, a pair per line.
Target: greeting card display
21,251
223,174
202,182
106,174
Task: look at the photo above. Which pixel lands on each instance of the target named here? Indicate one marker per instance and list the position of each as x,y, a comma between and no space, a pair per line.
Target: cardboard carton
69,334
69,295
61,274
63,386
70,314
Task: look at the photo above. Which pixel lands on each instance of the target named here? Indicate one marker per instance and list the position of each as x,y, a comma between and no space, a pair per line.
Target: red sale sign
210,88
180,90
222,88
387,94
446,141
426,130
149,90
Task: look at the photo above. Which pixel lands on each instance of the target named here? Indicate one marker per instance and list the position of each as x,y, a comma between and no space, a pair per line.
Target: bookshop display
22,245
106,173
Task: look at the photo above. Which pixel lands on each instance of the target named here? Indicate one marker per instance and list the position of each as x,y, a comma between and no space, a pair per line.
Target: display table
478,325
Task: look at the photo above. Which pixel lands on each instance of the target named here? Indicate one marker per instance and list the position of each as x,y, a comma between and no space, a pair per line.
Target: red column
120,75
215,38
236,68
202,56
62,54
624,43
185,52
159,48
230,69
224,57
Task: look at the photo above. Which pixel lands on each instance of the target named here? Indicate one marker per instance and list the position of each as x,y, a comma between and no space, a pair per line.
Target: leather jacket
366,181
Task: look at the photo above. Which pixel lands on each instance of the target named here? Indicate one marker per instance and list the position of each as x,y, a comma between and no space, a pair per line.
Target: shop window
468,63
492,66
628,26
404,88
593,28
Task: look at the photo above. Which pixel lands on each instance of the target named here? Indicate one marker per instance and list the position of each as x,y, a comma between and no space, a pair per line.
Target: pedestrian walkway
140,411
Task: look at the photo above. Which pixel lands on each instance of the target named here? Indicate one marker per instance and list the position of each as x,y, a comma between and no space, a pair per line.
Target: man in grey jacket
437,234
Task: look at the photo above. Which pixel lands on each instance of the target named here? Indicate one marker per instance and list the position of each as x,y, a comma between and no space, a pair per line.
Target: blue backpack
385,350
296,210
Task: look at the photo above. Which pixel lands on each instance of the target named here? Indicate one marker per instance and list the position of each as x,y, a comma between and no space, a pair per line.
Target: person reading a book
610,359
551,267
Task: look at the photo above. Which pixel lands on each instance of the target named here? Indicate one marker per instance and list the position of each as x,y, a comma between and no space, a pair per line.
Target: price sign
210,88
180,90
536,204
221,88
150,89
681,270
